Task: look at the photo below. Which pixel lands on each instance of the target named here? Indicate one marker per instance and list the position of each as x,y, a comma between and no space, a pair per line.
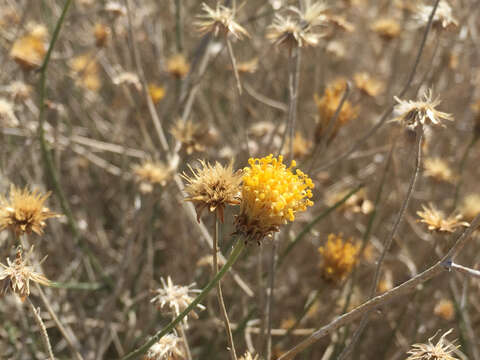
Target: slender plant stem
270,297
42,328
465,270
388,243
386,297
178,25
236,252
73,347
181,329
234,64
221,303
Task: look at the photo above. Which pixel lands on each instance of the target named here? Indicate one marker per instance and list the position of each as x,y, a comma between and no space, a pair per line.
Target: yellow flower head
271,195
339,257
25,212
28,51
178,66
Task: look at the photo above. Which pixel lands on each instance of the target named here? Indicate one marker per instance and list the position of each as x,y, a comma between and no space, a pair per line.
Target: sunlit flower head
220,20
421,112
86,71
16,276
442,350
387,29
175,298
327,106
438,169
367,84
213,187
437,221
470,206
28,51
101,33
151,173
271,196
178,66
167,348
444,309
24,212
338,258
156,92
443,18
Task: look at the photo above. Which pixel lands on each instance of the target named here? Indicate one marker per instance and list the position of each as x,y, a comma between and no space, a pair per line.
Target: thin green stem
236,252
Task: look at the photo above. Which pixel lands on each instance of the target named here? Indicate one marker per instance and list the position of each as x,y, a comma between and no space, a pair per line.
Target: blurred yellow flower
29,50
178,66
271,195
339,257
156,93
85,70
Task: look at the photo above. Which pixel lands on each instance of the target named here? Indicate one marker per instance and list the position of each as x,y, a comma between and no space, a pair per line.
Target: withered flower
443,18
442,350
17,275
191,135
438,169
213,187
151,173
167,348
24,212
387,29
178,66
367,84
28,51
437,221
219,20
421,112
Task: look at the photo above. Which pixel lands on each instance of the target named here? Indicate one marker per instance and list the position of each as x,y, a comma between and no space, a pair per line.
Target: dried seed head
17,275
219,20
193,136
368,85
150,174
338,258
175,298
387,29
271,196
440,351
101,33
24,212
438,169
356,203
327,106
437,221
213,187
167,348
421,112
443,18
178,66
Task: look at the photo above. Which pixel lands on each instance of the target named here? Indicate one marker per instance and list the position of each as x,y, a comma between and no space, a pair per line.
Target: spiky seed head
24,212
167,348
442,350
443,18
213,187
220,20
437,221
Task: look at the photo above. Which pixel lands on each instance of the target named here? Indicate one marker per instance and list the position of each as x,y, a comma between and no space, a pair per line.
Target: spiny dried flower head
213,187
443,18
367,84
17,275
327,106
444,309
152,173
175,298
178,66
248,356
438,169
470,206
167,348
191,135
220,20
301,30
24,212
271,196
338,257
442,350
28,51
437,221
422,112
387,29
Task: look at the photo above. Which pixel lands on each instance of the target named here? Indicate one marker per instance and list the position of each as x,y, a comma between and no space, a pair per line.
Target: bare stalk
42,328
270,297
73,347
221,303
388,243
234,64
464,270
185,341
386,297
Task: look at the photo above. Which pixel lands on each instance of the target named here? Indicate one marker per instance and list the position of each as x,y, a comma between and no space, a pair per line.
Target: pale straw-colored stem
464,270
221,303
386,297
234,64
43,330
188,353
